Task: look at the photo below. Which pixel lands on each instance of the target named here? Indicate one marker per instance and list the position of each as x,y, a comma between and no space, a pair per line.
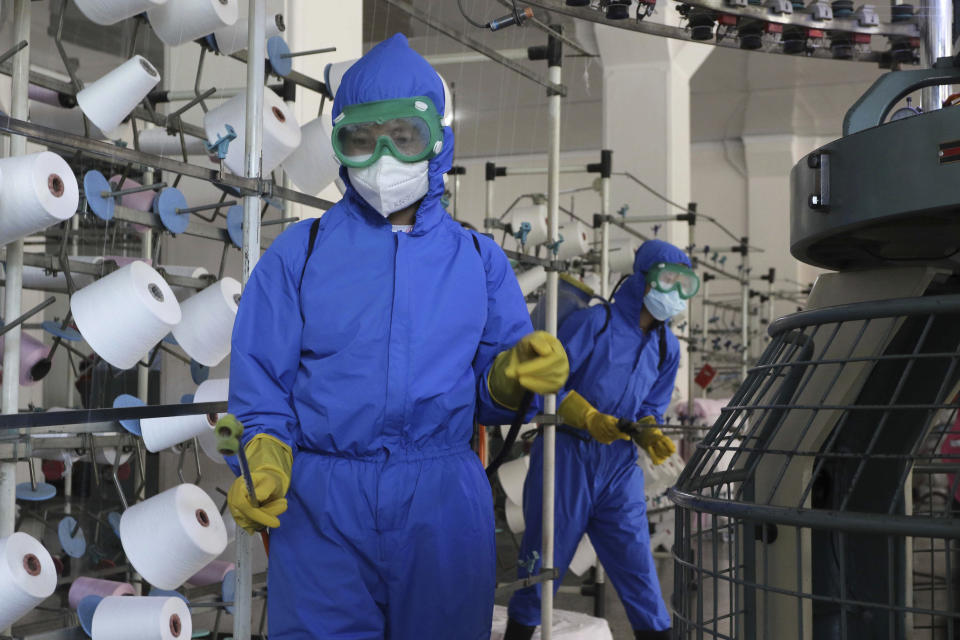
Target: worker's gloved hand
577,412
649,438
536,363
271,462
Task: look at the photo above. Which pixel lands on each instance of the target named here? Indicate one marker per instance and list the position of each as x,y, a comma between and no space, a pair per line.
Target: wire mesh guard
825,501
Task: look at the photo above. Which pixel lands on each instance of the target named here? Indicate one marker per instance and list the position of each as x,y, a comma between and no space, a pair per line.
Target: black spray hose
511,438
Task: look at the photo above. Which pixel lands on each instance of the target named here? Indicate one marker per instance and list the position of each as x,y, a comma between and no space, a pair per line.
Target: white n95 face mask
663,306
389,185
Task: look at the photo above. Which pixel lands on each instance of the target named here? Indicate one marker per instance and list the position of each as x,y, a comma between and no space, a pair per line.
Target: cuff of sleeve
506,400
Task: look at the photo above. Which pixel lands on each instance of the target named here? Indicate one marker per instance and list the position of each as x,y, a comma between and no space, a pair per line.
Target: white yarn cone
112,11
313,166
234,38
230,525
536,216
39,278
531,279
511,475
179,21
281,133
173,535
186,272
161,433
212,390
111,98
123,315
83,587
514,514
143,618
158,142
447,115
27,577
213,573
207,324
583,558
333,75
39,191
622,253
576,240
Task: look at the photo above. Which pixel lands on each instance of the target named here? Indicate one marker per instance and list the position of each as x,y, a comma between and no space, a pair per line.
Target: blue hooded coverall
599,488
373,369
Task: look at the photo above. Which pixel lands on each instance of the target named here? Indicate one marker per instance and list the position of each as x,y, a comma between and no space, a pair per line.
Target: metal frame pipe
539,171
605,238
745,310
937,32
13,287
253,148
704,294
691,345
555,74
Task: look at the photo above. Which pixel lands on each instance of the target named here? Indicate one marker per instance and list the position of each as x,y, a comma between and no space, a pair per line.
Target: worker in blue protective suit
623,363
365,346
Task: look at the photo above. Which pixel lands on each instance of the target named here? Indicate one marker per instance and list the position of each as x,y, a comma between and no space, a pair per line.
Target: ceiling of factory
501,113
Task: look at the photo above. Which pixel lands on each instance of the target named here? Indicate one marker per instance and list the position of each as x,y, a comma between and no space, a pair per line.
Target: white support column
19,109
253,147
550,401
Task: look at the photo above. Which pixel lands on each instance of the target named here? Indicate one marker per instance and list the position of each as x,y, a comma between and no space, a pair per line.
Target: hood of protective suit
389,71
629,297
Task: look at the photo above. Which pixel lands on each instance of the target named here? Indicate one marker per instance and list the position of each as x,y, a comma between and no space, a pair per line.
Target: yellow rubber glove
271,462
536,363
649,437
577,412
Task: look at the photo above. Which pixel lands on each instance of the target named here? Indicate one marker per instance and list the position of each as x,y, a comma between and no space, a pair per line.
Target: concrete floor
615,614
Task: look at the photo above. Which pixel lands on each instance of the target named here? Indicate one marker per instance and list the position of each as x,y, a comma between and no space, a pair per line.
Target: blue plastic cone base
85,610
44,491
114,519
74,546
199,372
164,593
53,328
124,401
276,48
166,204
228,589
235,225
94,183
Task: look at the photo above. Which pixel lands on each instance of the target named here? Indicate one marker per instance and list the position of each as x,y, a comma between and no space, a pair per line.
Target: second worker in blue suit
365,345
623,364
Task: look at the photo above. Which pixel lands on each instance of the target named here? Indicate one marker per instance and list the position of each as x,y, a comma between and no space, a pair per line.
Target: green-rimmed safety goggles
409,129
666,277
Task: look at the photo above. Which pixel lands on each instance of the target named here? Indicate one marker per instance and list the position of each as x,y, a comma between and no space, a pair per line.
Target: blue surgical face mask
663,306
